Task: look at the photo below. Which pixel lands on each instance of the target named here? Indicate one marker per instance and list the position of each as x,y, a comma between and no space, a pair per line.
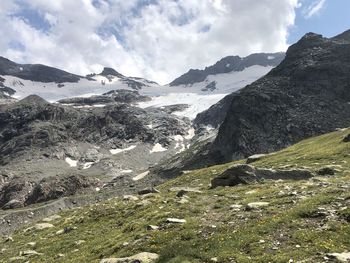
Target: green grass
291,223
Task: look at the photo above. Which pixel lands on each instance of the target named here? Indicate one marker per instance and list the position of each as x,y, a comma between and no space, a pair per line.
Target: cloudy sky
157,39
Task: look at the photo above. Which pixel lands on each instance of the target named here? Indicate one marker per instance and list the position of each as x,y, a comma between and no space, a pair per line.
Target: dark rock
246,174
238,174
126,96
347,138
148,191
326,171
210,87
120,96
174,108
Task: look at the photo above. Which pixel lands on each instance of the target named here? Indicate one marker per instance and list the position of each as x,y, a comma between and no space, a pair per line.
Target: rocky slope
306,95
186,220
41,141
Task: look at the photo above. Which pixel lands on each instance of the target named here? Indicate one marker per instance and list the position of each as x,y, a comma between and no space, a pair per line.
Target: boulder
347,138
42,226
181,191
290,174
29,253
256,205
247,174
341,257
326,171
130,198
144,257
176,220
51,218
237,174
146,191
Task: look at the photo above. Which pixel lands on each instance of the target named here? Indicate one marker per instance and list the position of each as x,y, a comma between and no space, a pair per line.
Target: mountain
306,95
36,72
21,80
104,127
227,75
227,65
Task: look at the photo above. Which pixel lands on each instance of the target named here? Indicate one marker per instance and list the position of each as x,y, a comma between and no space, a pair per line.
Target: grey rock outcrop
113,96
247,174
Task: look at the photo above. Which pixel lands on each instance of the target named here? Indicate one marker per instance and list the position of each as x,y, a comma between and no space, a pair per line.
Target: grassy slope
288,228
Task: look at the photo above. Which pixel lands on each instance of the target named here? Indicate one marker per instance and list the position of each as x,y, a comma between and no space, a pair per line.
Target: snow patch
126,171
191,134
140,176
87,165
270,57
158,148
183,148
116,151
88,106
72,163
178,138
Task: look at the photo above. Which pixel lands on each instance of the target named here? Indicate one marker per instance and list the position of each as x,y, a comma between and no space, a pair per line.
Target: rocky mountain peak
111,72
343,36
229,64
36,72
34,100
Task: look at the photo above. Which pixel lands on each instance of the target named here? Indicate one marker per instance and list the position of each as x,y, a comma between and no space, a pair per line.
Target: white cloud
156,39
314,8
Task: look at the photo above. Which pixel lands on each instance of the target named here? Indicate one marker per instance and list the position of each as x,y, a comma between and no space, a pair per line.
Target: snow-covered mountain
198,88
202,88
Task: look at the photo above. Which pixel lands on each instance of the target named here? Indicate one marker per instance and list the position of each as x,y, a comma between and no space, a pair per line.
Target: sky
158,39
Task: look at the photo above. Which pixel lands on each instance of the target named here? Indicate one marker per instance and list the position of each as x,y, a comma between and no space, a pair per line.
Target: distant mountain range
227,65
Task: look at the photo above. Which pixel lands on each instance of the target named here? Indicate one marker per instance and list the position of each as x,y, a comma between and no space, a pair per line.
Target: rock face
247,174
19,192
47,150
306,95
14,193
33,122
36,72
121,96
55,187
226,65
